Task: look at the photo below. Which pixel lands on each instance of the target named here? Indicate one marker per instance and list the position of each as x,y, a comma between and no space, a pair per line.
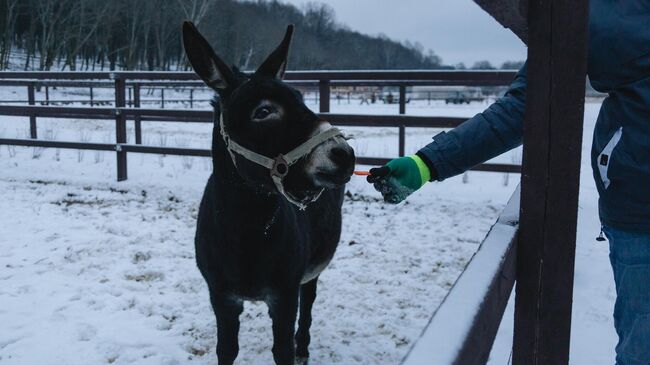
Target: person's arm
488,134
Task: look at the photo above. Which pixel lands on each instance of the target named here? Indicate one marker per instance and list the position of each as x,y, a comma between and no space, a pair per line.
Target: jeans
630,258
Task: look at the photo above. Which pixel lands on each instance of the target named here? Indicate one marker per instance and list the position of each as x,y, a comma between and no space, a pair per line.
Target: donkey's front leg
307,297
227,311
283,309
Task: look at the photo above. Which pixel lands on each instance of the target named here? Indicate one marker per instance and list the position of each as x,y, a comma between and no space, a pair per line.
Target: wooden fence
133,82
538,256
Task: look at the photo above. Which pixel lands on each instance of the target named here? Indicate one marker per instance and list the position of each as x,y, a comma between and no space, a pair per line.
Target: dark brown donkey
270,218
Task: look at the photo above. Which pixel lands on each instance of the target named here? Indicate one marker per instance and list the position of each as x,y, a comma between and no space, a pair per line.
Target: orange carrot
362,173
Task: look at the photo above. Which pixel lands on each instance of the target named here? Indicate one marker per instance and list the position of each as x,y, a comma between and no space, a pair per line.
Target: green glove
399,178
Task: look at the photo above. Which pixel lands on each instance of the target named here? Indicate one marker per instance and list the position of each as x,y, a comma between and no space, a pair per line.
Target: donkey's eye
264,112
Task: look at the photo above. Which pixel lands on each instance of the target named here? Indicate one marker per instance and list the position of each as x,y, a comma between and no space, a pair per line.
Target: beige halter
279,166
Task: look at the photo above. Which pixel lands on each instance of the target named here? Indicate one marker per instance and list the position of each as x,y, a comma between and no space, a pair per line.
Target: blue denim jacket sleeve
488,134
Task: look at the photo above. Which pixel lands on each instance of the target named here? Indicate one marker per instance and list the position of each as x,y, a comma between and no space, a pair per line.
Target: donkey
270,218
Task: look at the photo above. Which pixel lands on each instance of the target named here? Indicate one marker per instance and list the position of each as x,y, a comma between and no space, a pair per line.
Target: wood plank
504,80
57,111
120,129
137,119
33,132
503,77
57,144
324,96
550,181
410,121
177,151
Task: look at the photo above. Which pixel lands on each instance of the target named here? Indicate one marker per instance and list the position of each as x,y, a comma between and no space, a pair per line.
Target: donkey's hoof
302,360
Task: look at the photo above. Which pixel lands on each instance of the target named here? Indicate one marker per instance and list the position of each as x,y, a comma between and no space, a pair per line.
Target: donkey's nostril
341,156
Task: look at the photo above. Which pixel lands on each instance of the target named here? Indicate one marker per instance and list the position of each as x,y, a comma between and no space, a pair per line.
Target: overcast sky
456,30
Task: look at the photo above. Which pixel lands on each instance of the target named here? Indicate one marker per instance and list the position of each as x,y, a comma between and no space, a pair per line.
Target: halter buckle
280,167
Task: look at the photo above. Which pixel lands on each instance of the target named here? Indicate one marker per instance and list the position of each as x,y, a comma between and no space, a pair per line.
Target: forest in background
146,35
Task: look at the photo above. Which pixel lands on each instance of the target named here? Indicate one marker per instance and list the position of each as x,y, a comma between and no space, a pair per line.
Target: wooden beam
120,129
550,180
324,96
31,100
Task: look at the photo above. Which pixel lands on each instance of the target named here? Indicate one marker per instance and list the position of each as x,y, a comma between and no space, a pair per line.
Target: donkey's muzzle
342,155
340,167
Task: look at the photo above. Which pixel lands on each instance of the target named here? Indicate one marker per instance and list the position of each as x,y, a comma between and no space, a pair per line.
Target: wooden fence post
324,95
137,118
92,102
120,128
191,98
47,95
162,98
550,180
31,100
402,128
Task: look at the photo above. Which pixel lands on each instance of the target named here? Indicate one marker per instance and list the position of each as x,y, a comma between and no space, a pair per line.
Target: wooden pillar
557,52
162,98
324,95
402,128
31,100
120,128
137,119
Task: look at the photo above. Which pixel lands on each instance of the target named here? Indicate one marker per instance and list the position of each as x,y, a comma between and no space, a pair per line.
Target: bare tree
136,20
51,14
86,22
482,65
195,10
134,34
9,8
321,17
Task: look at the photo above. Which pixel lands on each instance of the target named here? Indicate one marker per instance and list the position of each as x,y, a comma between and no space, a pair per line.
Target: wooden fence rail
134,81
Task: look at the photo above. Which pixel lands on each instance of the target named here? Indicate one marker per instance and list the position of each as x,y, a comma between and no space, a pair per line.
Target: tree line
145,35
487,65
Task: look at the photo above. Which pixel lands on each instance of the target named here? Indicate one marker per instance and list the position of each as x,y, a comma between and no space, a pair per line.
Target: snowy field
93,271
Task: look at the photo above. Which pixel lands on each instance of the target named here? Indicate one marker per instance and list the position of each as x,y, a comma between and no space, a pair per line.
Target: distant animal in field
270,217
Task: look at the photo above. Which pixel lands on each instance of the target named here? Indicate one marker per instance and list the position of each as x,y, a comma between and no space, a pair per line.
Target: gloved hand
399,178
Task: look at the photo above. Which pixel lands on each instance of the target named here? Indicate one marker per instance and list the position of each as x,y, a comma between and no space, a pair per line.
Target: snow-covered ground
95,271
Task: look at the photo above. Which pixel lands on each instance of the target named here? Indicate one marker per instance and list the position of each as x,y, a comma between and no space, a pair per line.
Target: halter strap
279,166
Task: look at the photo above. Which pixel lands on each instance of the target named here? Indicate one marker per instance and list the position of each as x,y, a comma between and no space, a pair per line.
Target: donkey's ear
214,72
276,63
